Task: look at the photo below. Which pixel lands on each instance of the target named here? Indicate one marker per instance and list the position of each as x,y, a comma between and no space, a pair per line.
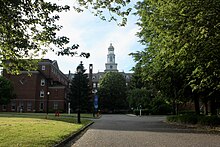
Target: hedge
195,119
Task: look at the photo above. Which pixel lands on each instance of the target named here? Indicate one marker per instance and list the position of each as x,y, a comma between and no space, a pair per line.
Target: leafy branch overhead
28,29
181,58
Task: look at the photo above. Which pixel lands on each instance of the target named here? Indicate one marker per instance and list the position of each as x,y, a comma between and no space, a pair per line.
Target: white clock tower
111,65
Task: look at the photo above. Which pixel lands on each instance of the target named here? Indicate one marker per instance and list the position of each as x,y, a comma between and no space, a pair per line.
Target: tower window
110,66
110,58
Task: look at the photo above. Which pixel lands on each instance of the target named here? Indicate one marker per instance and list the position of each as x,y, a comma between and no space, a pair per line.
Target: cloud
94,36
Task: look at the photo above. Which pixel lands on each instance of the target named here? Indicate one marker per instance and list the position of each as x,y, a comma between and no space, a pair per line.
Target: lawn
34,130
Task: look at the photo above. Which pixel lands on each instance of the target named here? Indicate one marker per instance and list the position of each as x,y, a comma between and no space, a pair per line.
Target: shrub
209,120
195,119
188,119
172,118
187,112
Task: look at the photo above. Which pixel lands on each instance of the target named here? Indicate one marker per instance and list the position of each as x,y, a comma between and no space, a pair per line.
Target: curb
72,136
132,115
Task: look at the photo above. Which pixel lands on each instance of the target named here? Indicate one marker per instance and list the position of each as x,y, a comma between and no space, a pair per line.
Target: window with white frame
42,82
41,106
94,85
41,93
43,67
55,105
4,107
29,106
13,106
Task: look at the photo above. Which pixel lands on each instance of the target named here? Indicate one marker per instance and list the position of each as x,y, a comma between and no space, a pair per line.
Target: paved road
147,131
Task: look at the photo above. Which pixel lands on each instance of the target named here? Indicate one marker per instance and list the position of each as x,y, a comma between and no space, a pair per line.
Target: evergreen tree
80,93
6,91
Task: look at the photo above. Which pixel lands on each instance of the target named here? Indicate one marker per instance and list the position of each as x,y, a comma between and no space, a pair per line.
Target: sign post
96,103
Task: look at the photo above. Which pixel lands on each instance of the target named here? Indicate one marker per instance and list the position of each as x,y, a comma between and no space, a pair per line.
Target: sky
94,36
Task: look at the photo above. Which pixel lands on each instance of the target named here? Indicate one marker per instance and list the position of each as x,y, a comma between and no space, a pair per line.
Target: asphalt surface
147,131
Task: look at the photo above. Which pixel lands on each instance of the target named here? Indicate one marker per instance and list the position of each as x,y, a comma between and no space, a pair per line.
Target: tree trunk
206,107
174,107
213,107
196,104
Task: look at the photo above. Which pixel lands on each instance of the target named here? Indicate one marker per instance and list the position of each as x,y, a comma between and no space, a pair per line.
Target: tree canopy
79,94
6,91
29,29
112,92
182,47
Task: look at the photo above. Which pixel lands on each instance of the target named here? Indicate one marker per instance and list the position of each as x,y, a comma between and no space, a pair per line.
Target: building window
13,107
4,107
42,82
55,105
98,85
41,106
110,66
21,106
110,58
43,67
93,77
41,93
29,106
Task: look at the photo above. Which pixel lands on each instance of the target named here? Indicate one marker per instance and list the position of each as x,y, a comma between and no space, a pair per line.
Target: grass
24,129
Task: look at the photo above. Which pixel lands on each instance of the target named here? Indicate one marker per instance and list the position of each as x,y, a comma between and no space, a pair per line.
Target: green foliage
6,91
195,119
182,48
137,97
29,28
116,9
112,92
209,120
160,106
79,92
187,119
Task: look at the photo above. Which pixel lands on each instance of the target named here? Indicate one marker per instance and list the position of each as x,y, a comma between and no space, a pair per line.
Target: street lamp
80,70
48,94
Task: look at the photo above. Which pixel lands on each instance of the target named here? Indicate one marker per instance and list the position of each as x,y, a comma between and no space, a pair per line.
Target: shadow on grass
72,118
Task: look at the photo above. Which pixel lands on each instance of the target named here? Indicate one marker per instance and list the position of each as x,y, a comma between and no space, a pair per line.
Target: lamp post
80,70
48,94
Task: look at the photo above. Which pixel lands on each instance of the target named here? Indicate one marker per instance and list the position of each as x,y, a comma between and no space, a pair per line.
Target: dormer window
42,82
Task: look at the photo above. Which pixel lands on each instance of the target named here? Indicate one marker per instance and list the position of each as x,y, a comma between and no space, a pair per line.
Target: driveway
146,131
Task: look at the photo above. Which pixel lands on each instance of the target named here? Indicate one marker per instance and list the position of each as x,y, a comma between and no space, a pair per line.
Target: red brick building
46,86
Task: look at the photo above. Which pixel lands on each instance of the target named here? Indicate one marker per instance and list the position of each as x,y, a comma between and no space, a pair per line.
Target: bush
195,119
209,120
188,119
187,112
172,118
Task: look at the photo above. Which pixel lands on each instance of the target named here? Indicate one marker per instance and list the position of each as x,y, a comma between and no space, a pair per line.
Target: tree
28,28
139,97
79,93
112,92
182,50
6,91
